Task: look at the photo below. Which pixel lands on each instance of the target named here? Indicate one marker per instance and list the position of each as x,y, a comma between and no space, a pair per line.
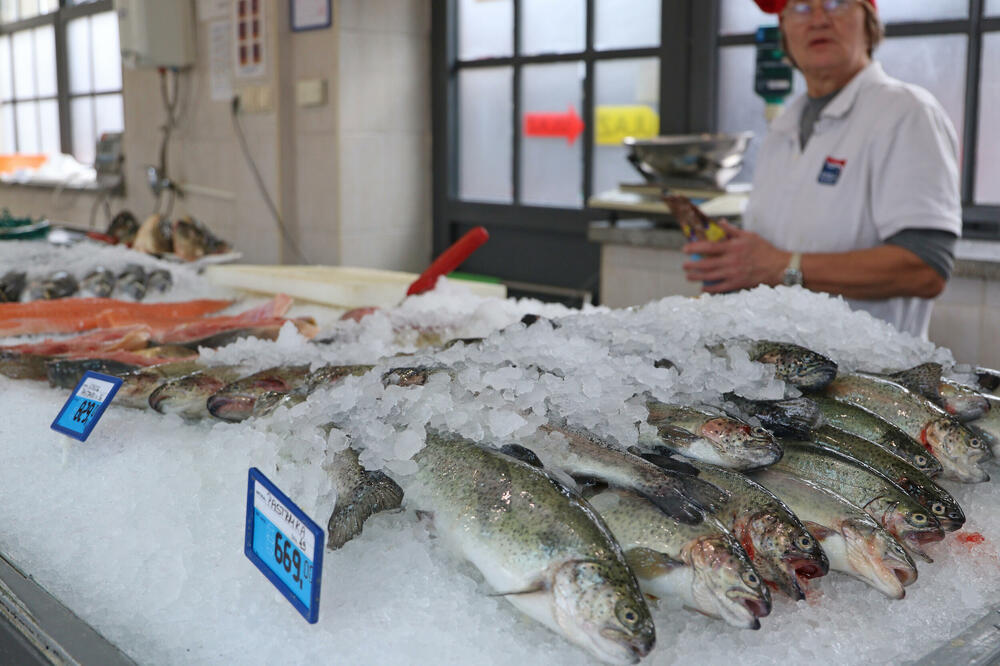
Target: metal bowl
707,160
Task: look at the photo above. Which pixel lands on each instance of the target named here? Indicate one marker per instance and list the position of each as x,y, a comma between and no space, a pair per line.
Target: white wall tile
989,350
963,291
957,327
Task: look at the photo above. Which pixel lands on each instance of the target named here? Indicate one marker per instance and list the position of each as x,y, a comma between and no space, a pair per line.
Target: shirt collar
839,106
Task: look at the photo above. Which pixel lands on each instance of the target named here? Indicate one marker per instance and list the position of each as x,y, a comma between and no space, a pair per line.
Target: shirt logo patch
830,173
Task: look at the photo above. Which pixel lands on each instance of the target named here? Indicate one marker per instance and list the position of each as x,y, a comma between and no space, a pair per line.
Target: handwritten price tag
284,543
86,405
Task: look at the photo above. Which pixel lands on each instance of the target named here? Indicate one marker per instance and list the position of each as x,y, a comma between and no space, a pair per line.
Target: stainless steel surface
689,160
48,628
979,645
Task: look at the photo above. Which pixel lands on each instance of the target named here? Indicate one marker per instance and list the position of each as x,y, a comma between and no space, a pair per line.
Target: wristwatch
793,273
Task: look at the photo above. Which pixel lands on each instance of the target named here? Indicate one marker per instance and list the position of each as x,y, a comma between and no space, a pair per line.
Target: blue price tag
86,405
284,543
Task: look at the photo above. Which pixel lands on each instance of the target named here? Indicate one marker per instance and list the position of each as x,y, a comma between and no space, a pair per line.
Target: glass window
485,29
622,82
8,11
27,8
78,45
107,57
893,11
84,140
993,7
930,62
551,155
6,84
24,65
8,138
45,60
988,150
743,16
109,116
485,109
26,114
48,127
622,24
552,26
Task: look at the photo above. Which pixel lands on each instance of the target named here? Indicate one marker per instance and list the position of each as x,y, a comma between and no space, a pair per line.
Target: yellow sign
614,123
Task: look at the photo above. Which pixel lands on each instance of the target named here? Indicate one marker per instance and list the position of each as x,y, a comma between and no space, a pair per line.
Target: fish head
894,440
878,558
965,404
798,553
958,449
725,579
740,445
911,524
947,512
599,606
180,396
798,366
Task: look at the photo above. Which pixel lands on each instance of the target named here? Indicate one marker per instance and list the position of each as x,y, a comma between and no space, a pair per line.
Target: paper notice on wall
212,10
220,63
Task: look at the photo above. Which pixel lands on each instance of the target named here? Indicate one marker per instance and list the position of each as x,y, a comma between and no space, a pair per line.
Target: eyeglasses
800,10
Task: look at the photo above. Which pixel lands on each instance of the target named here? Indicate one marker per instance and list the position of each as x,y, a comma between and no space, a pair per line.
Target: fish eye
757,431
805,542
976,443
751,579
937,508
918,519
920,460
628,616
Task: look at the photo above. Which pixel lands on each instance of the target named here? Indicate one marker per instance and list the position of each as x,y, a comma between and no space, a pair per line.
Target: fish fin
523,454
678,507
665,462
589,485
676,435
648,563
818,531
377,493
923,379
534,589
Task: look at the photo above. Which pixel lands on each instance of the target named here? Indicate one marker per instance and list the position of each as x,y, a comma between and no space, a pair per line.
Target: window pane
28,8
109,114
743,16
24,65
908,10
621,83
6,85
988,155
27,127
47,6
484,134
933,62
107,57
485,29
48,117
993,7
626,23
551,154
552,26
82,115
8,11
8,143
45,60
740,109
78,46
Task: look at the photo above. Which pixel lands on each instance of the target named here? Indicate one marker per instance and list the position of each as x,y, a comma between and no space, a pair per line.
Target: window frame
59,19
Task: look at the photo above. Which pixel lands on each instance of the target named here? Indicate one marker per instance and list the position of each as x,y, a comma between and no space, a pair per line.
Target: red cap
775,6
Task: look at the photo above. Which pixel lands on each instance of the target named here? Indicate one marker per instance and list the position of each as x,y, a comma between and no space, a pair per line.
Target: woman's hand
742,261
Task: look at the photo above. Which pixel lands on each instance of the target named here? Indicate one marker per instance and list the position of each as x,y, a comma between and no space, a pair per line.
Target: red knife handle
449,260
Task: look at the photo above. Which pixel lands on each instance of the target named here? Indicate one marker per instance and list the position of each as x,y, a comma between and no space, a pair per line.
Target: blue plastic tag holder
86,405
285,544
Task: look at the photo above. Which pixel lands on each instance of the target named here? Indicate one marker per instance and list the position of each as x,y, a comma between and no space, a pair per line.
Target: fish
188,396
127,338
12,286
859,484
153,236
678,494
235,401
853,542
20,365
193,240
988,380
267,402
140,383
958,450
132,281
73,315
159,280
703,566
56,285
99,282
914,483
709,437
857,421
961,402
988,426
67,373
780,547
794,364
175,330
540,545
794,417
123,227
360,494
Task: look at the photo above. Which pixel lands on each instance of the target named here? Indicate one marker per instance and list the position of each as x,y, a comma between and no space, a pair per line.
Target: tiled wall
966,316
352,177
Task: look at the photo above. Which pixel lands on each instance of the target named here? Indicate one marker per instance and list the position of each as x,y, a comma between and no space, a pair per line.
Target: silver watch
793,273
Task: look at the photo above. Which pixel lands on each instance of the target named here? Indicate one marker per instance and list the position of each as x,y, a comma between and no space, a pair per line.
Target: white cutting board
340,286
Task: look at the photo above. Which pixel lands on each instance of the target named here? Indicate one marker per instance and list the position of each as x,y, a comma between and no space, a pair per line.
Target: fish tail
377,493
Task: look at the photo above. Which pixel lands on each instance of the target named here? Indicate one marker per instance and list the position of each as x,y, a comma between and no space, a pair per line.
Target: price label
284,543
86,405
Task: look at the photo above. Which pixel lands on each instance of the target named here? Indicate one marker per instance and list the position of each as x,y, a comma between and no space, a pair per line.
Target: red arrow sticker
547,124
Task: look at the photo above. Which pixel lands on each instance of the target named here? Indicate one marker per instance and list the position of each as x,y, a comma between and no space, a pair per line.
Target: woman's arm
746,260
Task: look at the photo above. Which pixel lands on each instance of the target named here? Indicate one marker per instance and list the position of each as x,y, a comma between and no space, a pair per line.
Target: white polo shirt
883,157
